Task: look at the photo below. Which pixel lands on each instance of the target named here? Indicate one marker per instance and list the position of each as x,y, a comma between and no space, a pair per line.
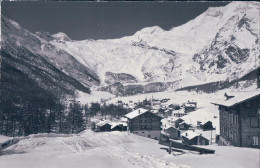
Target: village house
178,113
206,125
240,120
192,138
145,123
189,107
155,102
171,133
119,127
184,126
167,113
177,122
103,127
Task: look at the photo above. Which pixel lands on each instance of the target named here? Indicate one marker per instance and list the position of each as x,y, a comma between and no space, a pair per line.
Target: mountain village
179,98
158,120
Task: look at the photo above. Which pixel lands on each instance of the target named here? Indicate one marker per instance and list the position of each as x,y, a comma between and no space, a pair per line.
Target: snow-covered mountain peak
60,36
218,44
153,54
150,30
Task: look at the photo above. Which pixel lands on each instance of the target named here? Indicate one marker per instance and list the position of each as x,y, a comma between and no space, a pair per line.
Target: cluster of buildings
161,107
106,126
143,122
239,121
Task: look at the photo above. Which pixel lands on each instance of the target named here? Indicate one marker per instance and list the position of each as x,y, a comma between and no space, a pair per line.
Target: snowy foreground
114,149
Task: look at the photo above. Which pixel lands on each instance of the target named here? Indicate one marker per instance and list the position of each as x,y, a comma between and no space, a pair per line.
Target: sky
102,20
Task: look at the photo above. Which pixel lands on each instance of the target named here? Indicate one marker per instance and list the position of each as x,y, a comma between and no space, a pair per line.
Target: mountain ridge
209,48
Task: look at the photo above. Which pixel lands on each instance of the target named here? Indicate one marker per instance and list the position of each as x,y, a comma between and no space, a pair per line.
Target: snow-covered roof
172,118
192,102
124,119
239,98
136,113
190,105
204,122
165,133
183,122
190,134
169,126
102,123
181,111
114,124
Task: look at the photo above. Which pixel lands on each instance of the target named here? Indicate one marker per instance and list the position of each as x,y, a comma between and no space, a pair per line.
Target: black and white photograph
130,84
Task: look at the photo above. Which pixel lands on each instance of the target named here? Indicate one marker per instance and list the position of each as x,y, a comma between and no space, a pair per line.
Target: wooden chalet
184,126
189,107
205,126
192,138
177,122
119,127
167,113
179,113
103,127
240,120
145,123
171,133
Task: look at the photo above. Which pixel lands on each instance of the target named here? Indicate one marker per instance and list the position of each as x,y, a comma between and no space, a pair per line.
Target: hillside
33,58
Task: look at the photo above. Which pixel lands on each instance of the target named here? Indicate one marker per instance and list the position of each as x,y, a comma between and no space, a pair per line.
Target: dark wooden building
184,126
205,126
177,122
103,127
145,123
118,127
171,133
191,138
189,107
240,120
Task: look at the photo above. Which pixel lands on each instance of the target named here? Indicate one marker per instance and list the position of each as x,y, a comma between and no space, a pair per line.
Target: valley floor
114,149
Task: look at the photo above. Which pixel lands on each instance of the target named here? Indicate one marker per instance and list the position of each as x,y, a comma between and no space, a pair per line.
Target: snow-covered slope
51,68
219,44
117,150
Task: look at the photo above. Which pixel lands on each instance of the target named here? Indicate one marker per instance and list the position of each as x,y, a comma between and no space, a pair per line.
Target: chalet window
224,115
226,131
235,119
231,118
230,134
248,104
143,126
254,122
255,141
149,126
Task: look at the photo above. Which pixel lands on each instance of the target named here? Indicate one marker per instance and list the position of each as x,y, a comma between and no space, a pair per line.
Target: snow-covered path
114,149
